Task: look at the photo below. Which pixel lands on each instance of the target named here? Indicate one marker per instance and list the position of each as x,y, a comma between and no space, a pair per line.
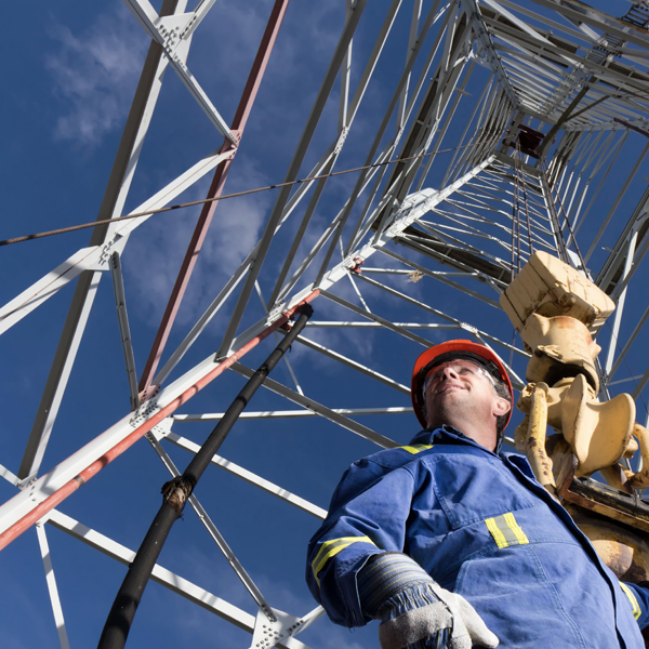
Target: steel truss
462,222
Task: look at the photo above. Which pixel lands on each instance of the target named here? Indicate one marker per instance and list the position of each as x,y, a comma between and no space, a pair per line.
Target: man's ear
501,407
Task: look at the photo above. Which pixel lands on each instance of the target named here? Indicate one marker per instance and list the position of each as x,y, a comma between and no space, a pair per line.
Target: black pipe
175,493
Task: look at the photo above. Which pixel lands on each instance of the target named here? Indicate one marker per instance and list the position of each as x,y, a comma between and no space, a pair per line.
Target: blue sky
74,68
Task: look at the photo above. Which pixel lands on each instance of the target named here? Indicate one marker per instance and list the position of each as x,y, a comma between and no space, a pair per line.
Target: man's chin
451,392
449,403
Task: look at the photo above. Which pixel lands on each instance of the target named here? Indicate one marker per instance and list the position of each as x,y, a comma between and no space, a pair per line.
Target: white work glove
452,612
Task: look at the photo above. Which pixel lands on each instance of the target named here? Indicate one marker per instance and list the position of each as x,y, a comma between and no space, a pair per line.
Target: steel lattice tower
504,133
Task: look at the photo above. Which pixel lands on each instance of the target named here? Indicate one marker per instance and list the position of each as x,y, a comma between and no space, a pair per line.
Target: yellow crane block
551,288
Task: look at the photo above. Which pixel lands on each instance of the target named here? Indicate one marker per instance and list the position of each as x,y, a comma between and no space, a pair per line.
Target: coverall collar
429,435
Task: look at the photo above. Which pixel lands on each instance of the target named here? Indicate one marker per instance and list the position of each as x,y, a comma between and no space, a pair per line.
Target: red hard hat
448,351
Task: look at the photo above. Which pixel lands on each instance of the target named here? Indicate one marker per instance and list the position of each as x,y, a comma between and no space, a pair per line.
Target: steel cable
83,226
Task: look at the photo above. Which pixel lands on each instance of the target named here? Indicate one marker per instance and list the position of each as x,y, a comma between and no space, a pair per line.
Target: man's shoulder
424,445
395,457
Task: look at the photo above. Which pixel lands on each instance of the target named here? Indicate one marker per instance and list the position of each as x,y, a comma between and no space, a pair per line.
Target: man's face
459,389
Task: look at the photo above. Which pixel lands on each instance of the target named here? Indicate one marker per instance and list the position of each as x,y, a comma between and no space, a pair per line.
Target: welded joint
177,491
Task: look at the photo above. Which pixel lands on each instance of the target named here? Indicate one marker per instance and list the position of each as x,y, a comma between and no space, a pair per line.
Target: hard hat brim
445,352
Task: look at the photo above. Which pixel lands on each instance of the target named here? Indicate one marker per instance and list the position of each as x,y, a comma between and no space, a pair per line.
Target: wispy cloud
161,246
94,75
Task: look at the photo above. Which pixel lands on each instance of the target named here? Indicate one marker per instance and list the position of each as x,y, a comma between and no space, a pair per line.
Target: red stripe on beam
216,188
92,470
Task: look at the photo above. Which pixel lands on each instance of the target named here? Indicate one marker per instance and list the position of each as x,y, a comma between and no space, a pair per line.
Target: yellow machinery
557,311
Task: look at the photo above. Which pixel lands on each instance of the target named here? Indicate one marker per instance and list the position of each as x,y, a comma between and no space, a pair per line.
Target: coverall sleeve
638,595
367,516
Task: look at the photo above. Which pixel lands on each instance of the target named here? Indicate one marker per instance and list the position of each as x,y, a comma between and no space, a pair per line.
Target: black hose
175,493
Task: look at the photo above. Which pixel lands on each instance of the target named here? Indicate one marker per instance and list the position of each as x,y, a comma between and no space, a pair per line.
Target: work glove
416,612
452,614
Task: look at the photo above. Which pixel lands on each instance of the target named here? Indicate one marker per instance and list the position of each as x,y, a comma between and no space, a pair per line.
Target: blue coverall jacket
483,527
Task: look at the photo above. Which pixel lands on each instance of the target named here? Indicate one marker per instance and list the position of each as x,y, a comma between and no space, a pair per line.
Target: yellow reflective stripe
637,611
514,527
506,531
417,448
331,548
500,540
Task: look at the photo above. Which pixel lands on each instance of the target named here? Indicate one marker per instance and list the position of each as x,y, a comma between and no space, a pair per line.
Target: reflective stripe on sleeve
417,448
506,531
637,611
331,548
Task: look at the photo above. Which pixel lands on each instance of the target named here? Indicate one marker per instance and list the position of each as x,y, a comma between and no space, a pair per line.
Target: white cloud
160,246
236,231
95,73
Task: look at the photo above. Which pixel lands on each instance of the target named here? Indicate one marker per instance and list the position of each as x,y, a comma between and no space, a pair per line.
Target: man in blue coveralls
451,543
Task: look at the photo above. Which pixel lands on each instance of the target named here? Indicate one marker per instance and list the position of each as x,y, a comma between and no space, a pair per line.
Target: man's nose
448,373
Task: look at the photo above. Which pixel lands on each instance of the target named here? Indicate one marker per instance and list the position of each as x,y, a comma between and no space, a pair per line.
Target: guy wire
83,226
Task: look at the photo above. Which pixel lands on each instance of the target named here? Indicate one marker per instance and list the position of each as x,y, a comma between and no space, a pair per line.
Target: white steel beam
249,476
124,329
292,414
377,319
51,587
628,344
174,37
214,533
580,12
323,411
471,7
65,478
162,576
412,209
617,320
119,183
96,258
235,278
293,170
344,360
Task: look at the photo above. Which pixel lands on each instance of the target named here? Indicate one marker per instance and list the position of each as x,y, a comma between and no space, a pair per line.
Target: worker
452,543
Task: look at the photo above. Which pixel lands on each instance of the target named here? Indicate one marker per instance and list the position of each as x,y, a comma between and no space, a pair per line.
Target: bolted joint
148,392
177,491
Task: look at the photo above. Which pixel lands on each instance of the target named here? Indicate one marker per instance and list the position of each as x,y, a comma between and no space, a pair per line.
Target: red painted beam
93,469
218,182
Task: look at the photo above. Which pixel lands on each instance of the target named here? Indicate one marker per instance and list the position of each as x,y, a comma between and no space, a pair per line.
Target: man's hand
412,607
452,612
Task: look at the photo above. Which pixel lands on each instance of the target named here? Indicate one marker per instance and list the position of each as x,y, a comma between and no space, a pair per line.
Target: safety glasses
460,367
